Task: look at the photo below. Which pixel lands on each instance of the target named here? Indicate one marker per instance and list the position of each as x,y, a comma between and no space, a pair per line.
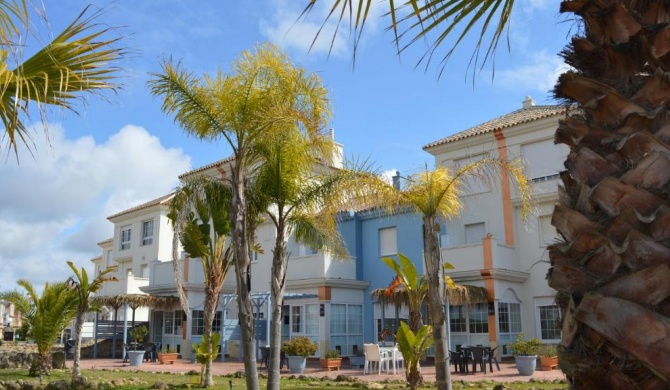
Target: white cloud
538,73
54,208
286,28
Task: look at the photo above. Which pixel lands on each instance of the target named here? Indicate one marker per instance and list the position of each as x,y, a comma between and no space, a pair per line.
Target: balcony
474,256
320,265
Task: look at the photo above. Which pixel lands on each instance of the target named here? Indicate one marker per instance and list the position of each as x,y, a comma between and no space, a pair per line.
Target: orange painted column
505,190
489,285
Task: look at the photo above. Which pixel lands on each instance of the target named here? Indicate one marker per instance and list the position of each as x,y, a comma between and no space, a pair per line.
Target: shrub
332,354
299,346
521,346
548,350
139,333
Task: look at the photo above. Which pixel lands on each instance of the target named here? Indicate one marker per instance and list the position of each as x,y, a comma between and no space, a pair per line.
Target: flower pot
167,357
296,364
548,363
331,364
525,364
136,357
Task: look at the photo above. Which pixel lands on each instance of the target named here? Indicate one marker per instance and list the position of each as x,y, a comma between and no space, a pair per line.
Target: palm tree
199,215
84,288
292,196
46,315
416,289
75,62
437,195
259,98
611,213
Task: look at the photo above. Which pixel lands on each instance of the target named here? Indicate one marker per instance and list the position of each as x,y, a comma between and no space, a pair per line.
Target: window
125,237
198,322
478,318
168,322
309,250
543,159
548,234
474,233
388,241
457,319
550,323
296,319
346,328
509,317
148,232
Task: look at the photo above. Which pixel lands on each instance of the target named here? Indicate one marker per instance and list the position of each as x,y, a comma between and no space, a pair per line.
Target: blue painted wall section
360,232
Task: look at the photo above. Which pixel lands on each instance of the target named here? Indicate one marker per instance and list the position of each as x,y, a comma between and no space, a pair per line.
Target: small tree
47,315
84,288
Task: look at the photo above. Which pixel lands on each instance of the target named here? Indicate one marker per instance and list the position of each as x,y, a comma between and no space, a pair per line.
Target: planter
331,364
526,364
136,357
548,363
165,357
296,364
357,361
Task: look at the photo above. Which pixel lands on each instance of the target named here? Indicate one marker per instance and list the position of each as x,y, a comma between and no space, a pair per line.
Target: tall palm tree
263,93
612,212
436,194
199,215
77,61
292,195
46,315
84,288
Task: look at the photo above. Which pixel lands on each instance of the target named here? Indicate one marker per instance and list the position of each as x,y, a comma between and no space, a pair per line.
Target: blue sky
124,151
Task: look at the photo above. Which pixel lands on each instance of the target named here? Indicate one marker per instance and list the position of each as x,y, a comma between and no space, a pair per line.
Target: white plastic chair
373,355
399,360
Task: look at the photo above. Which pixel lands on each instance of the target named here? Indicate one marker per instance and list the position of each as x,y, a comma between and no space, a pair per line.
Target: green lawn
119,379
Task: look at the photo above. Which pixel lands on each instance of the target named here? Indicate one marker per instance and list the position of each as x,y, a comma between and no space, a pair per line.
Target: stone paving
507,373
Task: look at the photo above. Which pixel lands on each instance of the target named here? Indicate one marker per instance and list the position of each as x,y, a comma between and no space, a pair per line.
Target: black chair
478,356
265,357
491,354
151,350
457,359
283,358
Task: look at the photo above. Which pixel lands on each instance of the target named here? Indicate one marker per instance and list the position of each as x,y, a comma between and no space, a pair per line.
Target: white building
323,301
142,236
490,245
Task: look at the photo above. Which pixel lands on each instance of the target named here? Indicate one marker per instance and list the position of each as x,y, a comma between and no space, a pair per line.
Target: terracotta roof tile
206,167
514,118
161,200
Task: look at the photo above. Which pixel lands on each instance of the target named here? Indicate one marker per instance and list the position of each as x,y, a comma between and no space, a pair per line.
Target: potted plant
331,360
525,354
138,334
167,354
297,350
548,357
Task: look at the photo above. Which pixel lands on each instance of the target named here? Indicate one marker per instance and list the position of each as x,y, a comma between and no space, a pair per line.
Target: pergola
457,295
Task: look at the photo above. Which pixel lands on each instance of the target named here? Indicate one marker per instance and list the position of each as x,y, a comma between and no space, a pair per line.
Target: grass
121,379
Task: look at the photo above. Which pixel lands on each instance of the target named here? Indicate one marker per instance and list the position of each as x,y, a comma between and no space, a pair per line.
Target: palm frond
75,62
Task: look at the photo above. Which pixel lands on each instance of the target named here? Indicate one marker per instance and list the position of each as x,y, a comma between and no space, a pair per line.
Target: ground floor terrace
507,372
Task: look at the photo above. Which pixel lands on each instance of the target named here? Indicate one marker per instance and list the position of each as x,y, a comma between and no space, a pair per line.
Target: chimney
528,103
396,180
332,134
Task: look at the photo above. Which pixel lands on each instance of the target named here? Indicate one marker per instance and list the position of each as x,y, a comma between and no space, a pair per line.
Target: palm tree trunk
279,266
611,270
436,301
211,302
243,275
79,324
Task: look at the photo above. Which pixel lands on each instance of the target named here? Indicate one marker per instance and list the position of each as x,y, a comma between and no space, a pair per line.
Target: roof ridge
510,119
